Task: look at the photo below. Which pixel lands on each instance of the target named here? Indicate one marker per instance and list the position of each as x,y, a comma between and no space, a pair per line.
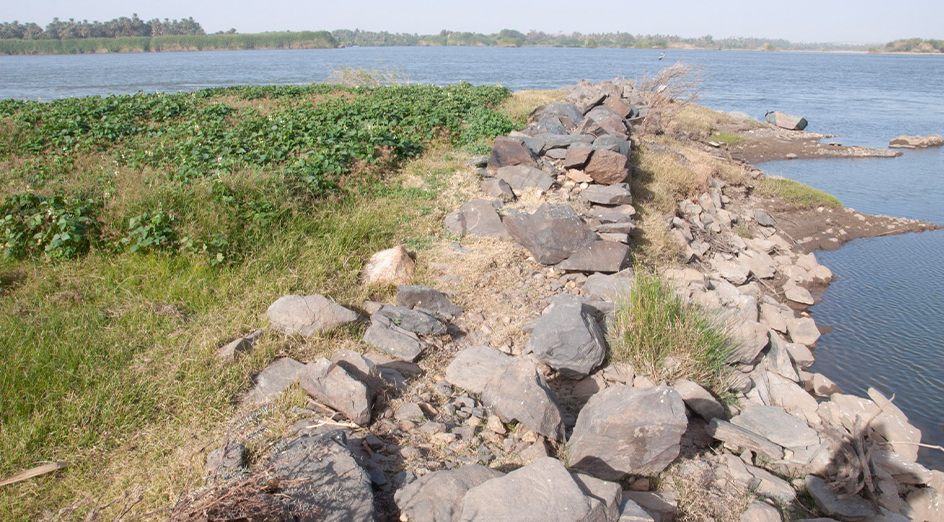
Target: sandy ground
768,143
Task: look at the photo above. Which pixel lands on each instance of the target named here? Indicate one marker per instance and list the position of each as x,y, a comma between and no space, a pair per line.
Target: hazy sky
795,20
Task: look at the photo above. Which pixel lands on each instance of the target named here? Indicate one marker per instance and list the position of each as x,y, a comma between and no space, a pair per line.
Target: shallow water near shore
886,307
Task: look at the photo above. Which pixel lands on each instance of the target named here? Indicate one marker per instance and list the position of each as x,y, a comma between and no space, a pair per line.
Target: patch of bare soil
769,143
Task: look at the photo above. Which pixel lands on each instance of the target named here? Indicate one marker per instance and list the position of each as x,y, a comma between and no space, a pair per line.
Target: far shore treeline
136,35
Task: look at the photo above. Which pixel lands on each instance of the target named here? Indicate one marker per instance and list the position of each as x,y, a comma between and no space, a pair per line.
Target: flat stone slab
611,288
475,366
277,377
415,321
600,256
396,341
477,218
509,151
321,481
615,194
308,315
853,508
427,300
523,177
777,426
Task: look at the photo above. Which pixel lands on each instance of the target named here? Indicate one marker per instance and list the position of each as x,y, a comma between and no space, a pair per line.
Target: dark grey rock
438,496
520,393
612,143
607,167
410,411
610,215
510,151
360,368
552,141
611,288
609,495
415,321
615,194
478,161
396,341
308,315
274,379
474,367
427,300
626,227
662,505
228,458
567,338
542,491
242,345
321,481
625,430
553,233
477,218
329,383
523,177
557,154
763,218
550,125
498,188
599,256
563,109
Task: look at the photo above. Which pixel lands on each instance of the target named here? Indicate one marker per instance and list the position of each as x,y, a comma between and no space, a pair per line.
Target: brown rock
577,157
510,151
607,167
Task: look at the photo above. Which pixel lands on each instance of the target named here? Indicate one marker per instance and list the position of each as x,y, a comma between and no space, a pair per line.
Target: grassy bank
140,233
208,42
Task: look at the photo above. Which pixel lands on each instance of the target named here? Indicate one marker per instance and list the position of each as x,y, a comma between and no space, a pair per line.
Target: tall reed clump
667,339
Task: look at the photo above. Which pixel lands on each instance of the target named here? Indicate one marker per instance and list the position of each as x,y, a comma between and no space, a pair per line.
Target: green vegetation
140,233
729,138
666,339
797,194
119,27
915,45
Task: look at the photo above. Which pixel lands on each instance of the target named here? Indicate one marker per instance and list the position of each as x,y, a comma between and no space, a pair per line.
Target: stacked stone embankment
554,430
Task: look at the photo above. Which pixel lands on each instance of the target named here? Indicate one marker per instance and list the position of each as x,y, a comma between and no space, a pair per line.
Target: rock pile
548,430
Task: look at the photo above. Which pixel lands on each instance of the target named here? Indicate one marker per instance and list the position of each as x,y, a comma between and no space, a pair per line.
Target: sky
795,20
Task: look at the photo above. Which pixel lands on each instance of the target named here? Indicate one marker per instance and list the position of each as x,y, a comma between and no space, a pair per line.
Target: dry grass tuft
701,499
522,103
373,77
697,121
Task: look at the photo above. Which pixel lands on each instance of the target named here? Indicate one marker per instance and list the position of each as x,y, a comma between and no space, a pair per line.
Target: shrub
53,225
483,126
666,339
150,231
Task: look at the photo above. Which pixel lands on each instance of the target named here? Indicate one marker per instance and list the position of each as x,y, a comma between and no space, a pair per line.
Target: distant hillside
915,45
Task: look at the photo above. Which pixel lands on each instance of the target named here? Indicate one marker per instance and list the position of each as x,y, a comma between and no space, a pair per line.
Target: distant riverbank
143,44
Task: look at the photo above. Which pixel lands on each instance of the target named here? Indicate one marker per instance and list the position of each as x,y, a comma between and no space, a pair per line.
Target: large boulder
599,256
520,393
477,218
523,177
320,481
568,338
427,300
552,234
438,496
308,315
393,266
543,491
475,366
607,167
332,385
625,430
509,151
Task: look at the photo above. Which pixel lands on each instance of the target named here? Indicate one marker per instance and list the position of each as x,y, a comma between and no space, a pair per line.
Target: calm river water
886,309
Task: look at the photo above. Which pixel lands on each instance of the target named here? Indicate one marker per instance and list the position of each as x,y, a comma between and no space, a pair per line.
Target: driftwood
32,473
733,434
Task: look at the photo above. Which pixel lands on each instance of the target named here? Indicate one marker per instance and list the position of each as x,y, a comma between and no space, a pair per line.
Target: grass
797,194
665,339
274,40
108,358
729,138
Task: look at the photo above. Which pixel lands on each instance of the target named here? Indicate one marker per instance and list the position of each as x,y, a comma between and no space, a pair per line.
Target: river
884,309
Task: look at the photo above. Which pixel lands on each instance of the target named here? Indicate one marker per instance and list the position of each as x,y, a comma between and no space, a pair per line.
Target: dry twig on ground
668,92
